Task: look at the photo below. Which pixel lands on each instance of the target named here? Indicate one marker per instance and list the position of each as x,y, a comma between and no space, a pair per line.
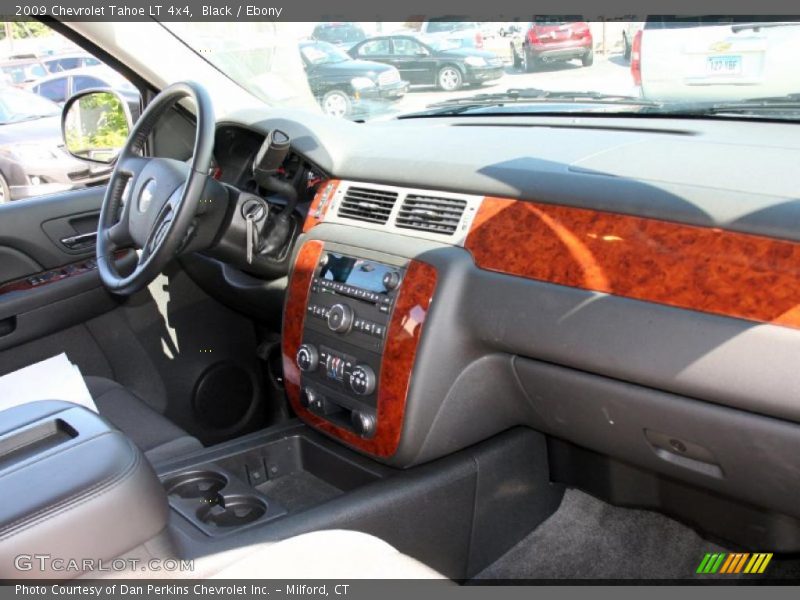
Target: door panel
46,284
414,66
21,226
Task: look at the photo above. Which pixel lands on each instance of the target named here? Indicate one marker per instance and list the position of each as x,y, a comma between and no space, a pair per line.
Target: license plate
724,65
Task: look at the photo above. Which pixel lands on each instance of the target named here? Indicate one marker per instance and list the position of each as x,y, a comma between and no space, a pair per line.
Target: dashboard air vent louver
430,213
367,204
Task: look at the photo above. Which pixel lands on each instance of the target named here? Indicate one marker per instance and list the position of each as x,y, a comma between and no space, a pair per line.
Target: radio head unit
350,342
349,306
355,276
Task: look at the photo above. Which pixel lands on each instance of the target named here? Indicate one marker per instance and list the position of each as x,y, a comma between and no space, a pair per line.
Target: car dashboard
624,284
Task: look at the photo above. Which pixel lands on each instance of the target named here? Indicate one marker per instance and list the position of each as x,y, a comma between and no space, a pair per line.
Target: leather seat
158,437
331,554
336,554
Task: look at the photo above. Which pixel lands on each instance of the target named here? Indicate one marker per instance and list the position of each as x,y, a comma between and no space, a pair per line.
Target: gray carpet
589,539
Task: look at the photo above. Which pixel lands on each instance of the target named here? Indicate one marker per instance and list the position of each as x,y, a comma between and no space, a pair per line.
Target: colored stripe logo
734,563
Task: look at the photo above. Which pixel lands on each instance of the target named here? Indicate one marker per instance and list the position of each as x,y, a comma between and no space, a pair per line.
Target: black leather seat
158,437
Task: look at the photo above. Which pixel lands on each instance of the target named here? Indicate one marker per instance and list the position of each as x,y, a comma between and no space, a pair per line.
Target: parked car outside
59,63
628,34
547,40
510,28
60,86
344,35
426,64
715,60
32,156
345,87
21,71
489,29
459,33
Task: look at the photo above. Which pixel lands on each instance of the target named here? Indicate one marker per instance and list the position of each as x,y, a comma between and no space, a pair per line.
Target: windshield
17,105
705,65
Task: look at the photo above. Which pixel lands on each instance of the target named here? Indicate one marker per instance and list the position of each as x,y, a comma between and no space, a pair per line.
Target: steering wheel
150,203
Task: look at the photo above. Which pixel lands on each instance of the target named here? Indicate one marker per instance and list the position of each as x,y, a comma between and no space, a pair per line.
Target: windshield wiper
756,26
766,104
455,106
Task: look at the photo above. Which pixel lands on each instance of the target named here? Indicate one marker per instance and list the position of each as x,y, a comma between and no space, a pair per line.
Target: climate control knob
307,358
340,318
362,380
363,423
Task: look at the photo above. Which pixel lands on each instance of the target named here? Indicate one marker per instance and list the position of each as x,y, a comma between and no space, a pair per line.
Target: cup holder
216,501
232,511
200,485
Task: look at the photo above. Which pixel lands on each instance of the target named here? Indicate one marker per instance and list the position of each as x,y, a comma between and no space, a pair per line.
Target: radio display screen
357,272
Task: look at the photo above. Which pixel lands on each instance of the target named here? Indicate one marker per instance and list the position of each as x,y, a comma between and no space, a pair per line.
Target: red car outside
548,40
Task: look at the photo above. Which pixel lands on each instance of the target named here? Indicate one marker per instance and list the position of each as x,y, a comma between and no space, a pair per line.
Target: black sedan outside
425,64
33,160
348,88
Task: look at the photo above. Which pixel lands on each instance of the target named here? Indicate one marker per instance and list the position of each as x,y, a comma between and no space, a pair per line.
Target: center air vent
367,204
429,213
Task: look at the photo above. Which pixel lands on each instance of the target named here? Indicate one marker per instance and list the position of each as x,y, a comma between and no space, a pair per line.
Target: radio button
363,423
391,280
340,318
379,330
307,397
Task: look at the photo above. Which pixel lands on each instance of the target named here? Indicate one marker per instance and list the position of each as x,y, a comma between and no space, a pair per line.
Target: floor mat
589,539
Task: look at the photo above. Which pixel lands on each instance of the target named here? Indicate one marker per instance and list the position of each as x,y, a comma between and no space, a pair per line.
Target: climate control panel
347,315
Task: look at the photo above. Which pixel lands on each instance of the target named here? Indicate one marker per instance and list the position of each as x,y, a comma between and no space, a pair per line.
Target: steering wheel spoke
159,230
131,165
119,236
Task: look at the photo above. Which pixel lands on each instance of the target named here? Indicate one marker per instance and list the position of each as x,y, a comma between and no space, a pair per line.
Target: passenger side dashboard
615,332
651,319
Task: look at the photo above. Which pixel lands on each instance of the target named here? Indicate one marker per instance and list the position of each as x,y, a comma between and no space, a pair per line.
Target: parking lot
609,74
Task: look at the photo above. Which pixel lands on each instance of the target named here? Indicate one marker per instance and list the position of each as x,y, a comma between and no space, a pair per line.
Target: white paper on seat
52,379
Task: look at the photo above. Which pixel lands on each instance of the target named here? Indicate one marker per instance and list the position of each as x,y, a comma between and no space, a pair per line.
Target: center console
351,328
74,489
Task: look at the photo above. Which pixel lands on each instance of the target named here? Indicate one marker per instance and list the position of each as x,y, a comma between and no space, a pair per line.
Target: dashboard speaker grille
367,204
429,213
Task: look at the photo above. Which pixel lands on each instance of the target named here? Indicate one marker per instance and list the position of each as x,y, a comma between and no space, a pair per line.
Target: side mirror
95,125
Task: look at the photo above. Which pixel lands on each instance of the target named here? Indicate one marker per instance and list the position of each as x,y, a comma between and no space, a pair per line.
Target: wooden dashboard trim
403,335
315,214
698,268
51,276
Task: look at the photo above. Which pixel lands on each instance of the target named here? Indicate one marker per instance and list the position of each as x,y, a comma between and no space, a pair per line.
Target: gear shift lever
269,159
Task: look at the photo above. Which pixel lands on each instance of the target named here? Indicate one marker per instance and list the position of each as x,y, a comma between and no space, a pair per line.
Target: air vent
367,204
429,213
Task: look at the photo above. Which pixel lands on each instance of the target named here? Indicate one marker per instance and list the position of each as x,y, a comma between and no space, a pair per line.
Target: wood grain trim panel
53,275
697,268
294,315
403,335
326,189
